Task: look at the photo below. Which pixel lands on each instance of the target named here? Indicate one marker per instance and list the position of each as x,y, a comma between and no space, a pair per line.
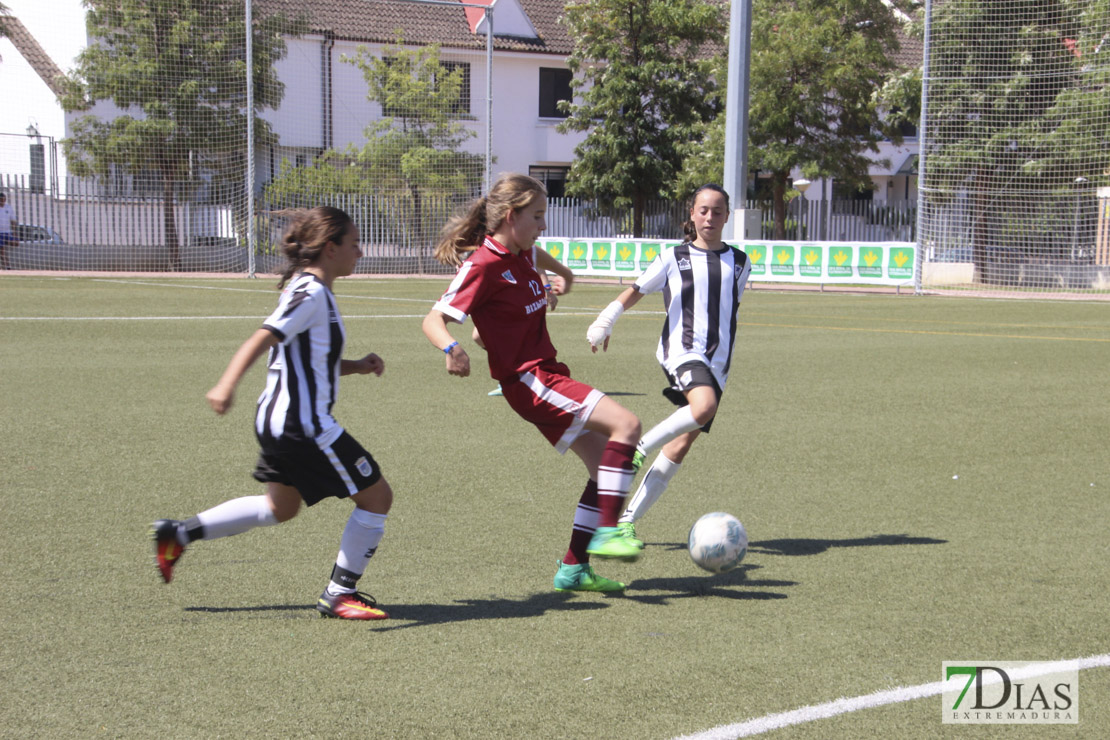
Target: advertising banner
865,263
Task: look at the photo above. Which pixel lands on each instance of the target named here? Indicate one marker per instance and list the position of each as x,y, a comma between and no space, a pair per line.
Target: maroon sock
585,523
614,478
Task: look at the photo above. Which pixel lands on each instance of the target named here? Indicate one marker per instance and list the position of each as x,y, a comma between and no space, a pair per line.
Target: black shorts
341,470
691,375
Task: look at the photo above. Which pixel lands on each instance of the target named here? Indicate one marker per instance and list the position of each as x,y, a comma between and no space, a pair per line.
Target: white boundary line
759,725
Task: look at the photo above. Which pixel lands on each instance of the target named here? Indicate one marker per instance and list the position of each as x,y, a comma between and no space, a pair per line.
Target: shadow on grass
817,546
233,609
465,610
422,615
732,585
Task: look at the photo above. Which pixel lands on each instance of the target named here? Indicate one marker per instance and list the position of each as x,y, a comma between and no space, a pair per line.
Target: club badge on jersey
508,275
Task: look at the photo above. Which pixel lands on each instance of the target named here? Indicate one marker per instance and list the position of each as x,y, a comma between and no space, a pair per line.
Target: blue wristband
547,287
448,348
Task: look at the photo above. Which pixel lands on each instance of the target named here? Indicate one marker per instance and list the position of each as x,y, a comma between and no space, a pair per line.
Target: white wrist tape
603,324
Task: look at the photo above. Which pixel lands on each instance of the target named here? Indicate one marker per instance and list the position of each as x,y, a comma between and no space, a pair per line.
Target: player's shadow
735,584
466,610
816,546
263,608
423,615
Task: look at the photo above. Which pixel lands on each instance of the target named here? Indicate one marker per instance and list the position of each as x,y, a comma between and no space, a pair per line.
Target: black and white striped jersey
701,294
303,378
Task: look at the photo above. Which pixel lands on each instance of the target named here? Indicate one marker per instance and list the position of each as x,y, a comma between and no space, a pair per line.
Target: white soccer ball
718,542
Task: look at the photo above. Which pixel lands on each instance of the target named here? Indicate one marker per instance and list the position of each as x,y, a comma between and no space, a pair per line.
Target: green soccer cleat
628,530
637,461
496,391
610,543
581,577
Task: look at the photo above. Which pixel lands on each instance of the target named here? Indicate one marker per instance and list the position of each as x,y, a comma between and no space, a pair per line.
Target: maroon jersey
503,293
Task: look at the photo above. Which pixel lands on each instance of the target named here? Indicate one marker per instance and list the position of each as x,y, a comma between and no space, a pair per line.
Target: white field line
759,725
259,318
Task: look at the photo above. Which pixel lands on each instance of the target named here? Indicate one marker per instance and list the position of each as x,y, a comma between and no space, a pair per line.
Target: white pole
251,236
736,113
489,99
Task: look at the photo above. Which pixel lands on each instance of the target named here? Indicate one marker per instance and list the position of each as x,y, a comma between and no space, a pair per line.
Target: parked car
31,234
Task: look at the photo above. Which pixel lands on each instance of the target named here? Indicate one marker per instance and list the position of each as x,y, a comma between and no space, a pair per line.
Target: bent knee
631,427
284,512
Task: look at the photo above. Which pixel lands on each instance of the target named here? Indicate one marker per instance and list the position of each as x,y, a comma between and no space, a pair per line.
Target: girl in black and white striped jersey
306,455
702,281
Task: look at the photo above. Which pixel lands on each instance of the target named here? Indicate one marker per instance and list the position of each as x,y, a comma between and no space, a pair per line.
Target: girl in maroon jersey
497,284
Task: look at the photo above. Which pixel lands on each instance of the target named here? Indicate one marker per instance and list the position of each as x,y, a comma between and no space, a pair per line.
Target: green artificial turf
922,480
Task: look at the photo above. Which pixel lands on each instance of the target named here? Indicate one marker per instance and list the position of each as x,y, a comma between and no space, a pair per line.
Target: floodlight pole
736,113
919,258
489,99
251,236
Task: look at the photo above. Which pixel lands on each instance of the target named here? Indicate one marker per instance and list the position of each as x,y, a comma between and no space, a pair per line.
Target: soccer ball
718,542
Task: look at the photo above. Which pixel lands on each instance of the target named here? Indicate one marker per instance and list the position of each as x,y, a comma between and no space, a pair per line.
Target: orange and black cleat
167,550
355,605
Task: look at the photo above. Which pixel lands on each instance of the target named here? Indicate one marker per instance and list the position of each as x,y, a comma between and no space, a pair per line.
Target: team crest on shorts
508,275
362,465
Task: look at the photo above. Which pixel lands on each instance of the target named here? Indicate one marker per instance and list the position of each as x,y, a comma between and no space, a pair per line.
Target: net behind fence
1016,146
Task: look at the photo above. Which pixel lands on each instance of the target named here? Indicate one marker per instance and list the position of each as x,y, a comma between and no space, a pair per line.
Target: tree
1026,115
177,70
644,76
413,151
415,147
815,65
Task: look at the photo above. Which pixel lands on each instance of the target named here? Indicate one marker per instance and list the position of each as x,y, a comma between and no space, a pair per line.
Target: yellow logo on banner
625,252
578,252
649,253
756,255
840,258
812,257
601,252
784,257
900,258
554,249
870,258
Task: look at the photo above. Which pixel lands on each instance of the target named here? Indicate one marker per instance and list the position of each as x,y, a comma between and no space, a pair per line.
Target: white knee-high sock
231,517
680,422
655,481
361,536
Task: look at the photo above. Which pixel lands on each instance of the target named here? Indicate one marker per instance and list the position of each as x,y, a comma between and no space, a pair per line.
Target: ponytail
463,234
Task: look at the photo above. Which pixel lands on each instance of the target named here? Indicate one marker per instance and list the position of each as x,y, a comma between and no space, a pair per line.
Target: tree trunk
638,205
169,222
979,236
418,227
778,203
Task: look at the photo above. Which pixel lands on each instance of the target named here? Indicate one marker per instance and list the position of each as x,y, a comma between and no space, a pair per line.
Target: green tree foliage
1079,138
644,76
177,71
413,150
815,65
1011,121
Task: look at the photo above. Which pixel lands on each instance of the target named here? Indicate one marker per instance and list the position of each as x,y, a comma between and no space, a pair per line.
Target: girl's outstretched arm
598,333
223,393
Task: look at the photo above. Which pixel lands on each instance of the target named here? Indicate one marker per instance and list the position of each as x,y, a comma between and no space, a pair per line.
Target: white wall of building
59,27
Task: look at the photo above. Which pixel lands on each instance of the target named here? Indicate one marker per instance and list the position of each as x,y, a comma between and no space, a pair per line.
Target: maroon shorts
552,400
